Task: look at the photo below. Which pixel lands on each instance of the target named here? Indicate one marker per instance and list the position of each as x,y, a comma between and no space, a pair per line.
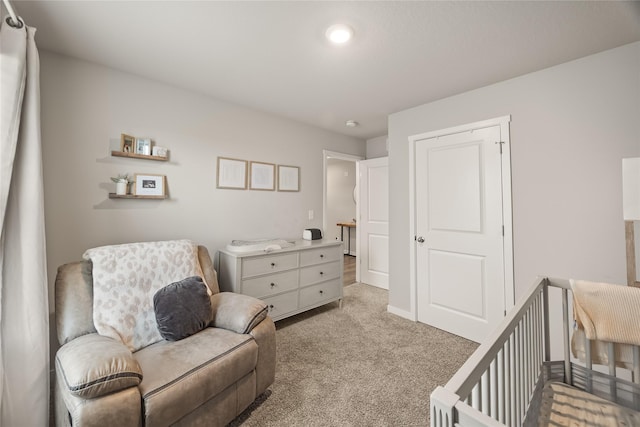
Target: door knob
420,239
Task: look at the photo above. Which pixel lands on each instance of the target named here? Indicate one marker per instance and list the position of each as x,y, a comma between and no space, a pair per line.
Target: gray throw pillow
182,308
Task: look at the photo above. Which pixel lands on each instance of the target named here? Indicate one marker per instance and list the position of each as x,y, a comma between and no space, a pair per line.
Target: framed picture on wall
149,185
288,178
127,143
232,174
262,176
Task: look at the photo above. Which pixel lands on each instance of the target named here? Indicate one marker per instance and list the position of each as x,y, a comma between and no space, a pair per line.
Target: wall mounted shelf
133,196
138,156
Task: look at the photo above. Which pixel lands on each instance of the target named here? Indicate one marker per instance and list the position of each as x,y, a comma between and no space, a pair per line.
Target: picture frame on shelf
149,185
288,178
127,143
159,151
143,146
262,176
231,174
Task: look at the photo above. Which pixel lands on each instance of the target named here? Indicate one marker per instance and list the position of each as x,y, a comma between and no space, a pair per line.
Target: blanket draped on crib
125,278
606,313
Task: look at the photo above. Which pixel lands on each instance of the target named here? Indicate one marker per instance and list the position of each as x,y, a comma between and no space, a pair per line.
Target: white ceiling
272,55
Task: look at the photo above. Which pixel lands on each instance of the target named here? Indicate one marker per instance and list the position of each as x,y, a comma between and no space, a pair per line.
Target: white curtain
24,307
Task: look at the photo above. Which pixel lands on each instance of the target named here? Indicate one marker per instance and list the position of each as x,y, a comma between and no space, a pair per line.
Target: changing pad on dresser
242,246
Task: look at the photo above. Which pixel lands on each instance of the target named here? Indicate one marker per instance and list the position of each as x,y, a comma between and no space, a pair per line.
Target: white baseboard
402,313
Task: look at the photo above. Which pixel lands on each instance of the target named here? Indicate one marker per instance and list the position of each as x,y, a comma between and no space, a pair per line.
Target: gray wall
571,126
85,108
377,147
341,179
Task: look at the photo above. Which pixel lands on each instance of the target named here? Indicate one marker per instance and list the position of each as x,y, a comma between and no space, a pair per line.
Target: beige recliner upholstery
205,379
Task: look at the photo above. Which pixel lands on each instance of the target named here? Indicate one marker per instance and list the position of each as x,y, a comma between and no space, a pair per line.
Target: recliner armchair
208,378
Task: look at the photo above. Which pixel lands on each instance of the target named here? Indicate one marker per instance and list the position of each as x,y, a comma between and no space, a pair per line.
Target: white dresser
289,280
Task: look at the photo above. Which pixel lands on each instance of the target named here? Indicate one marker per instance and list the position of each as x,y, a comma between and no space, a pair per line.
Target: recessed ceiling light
351,123
339,33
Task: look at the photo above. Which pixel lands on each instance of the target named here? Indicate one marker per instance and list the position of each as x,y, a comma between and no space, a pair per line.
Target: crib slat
476,395
514,377
519,407
537,347
636,364
588,364
512,380
611,358
565,336
532,354
486,384
547,342
493,397
635,375
533,347
519,375
527,355
534,340
541,330
525,362
508,360
500,385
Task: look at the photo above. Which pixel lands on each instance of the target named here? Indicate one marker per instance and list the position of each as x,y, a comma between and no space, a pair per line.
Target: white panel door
373,222
459,234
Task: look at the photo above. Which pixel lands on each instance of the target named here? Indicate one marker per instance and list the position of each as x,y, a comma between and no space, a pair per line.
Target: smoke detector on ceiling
351,123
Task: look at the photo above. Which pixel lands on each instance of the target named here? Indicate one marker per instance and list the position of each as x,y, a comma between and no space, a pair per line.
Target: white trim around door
327,154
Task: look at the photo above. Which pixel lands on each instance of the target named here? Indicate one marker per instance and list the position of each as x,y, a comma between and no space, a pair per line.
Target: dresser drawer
321,292
271,284
282,304
316,256
319,273
269,264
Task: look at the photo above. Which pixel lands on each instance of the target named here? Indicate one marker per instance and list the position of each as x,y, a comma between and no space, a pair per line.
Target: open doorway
340,206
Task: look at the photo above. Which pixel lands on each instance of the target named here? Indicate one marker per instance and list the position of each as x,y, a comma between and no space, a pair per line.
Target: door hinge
503,231
500,143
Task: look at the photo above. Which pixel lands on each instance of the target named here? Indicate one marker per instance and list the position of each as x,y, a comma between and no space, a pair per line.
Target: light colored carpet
356,366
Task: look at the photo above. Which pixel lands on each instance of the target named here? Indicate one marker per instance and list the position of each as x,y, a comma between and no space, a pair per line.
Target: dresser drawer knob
321,273
273,264
271,307
321,292
321,255
273,285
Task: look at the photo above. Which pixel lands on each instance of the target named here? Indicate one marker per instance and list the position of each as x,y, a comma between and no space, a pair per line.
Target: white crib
502,382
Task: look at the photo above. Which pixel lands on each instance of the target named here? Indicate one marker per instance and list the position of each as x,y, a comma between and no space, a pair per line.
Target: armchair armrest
94,365
236,312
